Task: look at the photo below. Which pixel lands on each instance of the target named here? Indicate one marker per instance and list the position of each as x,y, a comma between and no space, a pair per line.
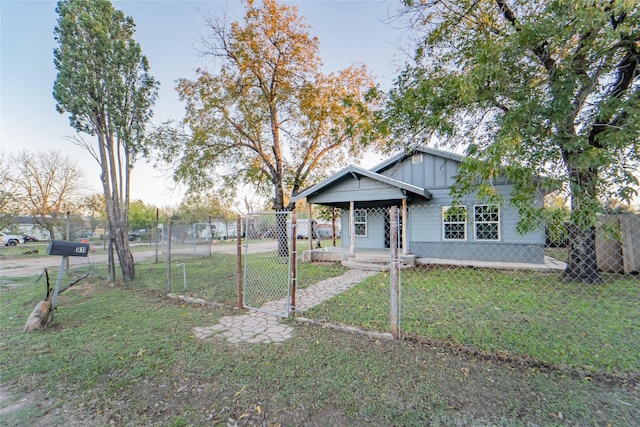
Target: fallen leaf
239,391
258,409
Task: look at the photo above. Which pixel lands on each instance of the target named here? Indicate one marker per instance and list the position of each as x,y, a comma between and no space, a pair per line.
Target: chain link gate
268,254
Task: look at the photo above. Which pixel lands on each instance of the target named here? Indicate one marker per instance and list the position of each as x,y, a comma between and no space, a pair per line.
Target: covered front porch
364,198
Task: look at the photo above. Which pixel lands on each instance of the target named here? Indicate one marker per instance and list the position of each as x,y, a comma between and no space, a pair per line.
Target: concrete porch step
371,258
368,266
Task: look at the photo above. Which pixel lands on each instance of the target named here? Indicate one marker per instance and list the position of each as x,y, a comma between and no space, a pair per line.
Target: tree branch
539,50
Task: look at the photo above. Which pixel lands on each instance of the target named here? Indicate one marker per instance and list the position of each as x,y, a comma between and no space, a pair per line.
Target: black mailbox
59,247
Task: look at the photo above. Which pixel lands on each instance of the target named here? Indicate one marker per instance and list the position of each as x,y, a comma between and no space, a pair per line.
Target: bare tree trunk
582,265
281,231
112,261
281,221
118,223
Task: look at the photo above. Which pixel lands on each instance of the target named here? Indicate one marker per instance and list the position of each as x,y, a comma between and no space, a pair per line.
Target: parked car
9,239
138,235
28,238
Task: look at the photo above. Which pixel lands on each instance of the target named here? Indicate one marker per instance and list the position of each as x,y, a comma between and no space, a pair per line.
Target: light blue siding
375,238
363,189
426,225
425,221
504,252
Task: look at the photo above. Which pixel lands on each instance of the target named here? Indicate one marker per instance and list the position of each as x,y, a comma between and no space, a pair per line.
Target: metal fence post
394,274
239,261
210,231
157,232
294,262
169,255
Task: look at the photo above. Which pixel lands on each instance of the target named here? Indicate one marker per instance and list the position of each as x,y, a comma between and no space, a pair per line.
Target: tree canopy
545,92
46,185
266,115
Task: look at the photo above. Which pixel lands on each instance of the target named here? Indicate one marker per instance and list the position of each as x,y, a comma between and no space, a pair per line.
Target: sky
349,32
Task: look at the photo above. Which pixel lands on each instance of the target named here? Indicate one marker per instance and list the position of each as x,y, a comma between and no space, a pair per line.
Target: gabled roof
354,171
417,149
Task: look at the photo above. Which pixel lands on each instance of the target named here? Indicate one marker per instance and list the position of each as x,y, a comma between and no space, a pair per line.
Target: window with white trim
454,223
486,219
416,158
360,222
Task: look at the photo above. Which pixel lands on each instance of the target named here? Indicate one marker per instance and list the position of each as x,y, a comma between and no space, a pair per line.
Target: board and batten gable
358,188
423,170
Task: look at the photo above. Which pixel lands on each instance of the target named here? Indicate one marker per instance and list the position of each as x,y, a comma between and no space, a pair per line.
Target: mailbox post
65,249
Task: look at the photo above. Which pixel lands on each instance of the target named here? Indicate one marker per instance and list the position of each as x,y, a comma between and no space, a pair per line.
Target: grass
214,278
561,254
584,327
127,356
16,252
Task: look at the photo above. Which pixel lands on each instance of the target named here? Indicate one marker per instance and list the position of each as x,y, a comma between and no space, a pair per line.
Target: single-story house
419,183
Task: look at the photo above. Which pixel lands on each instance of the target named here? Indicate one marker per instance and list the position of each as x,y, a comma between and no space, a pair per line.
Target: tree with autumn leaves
266,116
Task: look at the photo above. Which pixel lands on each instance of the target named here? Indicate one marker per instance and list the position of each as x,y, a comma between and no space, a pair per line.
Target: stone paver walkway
263,328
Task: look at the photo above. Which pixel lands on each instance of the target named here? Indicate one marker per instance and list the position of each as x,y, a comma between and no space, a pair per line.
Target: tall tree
535,87
104,84
266,116
47,185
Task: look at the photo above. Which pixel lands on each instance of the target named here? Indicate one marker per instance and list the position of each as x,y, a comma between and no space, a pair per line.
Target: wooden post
352,228
239,262
333,225
294,261
309,228
404,227
394,275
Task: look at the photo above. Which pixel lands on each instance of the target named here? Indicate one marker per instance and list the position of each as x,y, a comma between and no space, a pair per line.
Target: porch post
404,227
309,228
352,228
333,225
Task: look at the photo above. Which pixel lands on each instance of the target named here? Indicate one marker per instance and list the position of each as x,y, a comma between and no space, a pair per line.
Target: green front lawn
125,355
593,327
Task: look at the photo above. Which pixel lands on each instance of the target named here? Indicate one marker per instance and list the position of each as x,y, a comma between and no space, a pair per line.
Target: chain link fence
268,259
467,279
207,266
